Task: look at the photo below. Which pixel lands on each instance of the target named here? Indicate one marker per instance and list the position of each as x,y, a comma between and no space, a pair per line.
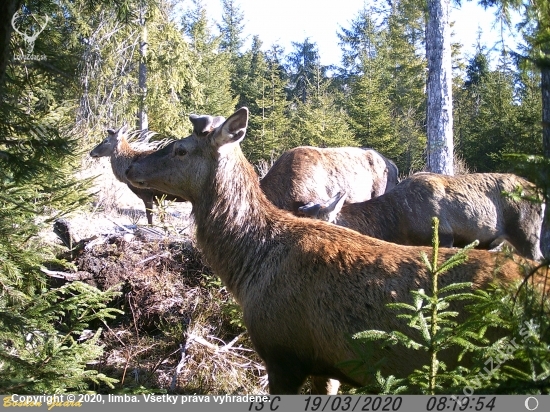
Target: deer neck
373,217
121,158
235,223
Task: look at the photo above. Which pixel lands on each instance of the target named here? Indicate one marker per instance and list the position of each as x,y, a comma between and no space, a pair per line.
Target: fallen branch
120,226
216,348
160,255
179,368
71,277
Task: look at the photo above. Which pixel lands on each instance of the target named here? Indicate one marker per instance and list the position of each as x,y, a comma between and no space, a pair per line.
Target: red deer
469,207
308,173
116,146
305,286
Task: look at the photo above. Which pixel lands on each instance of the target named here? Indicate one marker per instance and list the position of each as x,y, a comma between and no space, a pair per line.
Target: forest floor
181,331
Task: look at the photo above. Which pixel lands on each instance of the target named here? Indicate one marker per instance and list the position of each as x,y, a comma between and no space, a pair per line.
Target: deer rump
308,173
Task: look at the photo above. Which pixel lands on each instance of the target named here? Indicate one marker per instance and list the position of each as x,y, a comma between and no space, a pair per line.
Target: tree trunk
7,10
545,89
439,89
143,120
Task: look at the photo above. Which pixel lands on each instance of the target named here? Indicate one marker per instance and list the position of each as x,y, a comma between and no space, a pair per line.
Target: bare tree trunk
7,10
143,120
545,89
439,89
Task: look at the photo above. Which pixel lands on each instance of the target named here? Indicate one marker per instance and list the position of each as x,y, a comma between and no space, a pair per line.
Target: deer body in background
469,207
308,173
305,286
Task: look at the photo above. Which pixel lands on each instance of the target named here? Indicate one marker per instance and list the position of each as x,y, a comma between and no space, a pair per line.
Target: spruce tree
496,110
368,102
41,350
231,42
528,110
250,85
383,78
208,90
405,81
264,92
231,28
250,79
320,122
303,66
109,75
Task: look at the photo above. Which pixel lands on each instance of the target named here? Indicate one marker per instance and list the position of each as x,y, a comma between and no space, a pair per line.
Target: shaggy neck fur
236,224
121,158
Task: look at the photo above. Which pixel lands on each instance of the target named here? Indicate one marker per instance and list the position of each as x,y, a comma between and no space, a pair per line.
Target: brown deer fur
116,146
469,207
306,174
305,286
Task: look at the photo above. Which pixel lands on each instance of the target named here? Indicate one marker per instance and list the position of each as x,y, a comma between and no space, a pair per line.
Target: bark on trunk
7,10
142,114
439,89
545,88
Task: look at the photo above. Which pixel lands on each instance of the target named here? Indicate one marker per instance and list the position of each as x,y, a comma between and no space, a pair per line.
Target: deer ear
233,129
123,129
336,202
202,125
310,209
326,211
334,205
217,121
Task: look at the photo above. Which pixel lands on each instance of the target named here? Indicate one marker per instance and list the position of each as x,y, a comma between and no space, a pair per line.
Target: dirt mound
158,275
181,331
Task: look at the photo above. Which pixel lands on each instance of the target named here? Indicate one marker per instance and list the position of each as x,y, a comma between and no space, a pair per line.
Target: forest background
97,64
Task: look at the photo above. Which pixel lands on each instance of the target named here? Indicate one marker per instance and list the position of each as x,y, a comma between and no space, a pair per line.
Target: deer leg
285,384
149,211
324,386
446,240
500,243
285,378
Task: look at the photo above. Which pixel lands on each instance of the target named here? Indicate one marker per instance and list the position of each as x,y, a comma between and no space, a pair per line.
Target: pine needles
518,358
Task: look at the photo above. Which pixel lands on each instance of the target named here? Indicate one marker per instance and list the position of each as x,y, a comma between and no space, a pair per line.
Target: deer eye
180,151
